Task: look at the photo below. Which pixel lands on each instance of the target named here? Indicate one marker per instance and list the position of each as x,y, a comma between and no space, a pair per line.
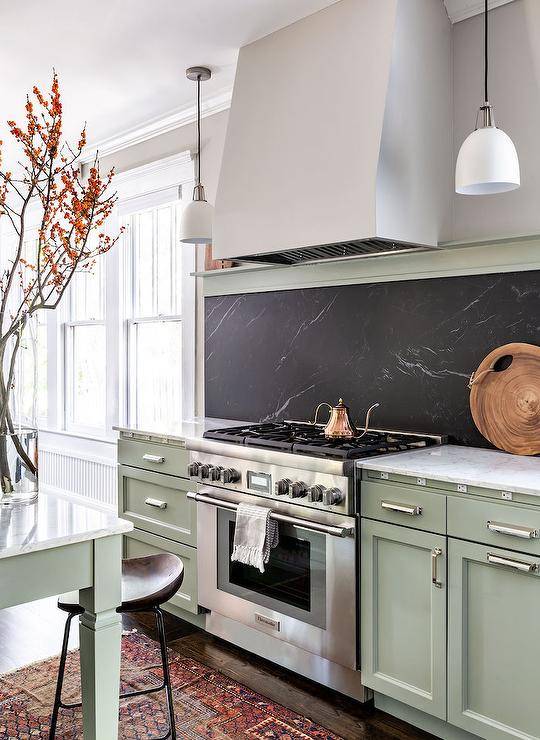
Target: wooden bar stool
147,583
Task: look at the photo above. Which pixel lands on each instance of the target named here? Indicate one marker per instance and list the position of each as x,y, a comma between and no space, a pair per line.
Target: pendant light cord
486,99
199,129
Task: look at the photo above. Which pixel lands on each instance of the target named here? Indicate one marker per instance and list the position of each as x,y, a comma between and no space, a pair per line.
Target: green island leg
100,637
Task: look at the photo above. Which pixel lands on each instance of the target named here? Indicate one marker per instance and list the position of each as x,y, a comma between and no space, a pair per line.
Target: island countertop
469,465
54,520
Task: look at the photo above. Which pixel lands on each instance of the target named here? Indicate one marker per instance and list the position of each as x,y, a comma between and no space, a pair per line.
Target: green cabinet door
403,615
493,641
158,504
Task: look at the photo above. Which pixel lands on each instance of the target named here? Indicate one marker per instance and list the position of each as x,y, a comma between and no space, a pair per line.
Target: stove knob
297,489
315,493
229,475
332,496
282,486
193,469
204,471
215,472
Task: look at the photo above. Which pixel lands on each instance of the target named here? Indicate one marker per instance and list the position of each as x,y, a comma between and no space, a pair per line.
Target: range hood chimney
339,141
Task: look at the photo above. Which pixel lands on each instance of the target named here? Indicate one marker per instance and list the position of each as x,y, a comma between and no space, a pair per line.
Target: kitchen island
54,546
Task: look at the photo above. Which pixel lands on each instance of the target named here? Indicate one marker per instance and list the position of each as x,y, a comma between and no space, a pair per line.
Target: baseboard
198,620
419,719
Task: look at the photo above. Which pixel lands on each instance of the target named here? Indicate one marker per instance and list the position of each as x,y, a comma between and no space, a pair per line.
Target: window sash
70,422
133,379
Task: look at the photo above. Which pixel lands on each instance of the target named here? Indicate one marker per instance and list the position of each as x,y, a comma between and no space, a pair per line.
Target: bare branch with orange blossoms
70,237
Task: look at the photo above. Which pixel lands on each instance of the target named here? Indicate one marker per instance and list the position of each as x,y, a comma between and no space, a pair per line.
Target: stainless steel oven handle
335,531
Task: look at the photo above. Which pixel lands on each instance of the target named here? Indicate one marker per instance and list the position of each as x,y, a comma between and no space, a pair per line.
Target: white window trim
141,187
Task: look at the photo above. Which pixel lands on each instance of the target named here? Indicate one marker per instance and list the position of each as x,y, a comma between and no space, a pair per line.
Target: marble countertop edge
483,468
122,527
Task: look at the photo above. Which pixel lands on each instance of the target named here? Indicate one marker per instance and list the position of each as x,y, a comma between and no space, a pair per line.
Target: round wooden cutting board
505,398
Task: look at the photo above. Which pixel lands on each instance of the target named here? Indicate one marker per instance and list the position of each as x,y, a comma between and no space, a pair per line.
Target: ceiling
122,63
458,10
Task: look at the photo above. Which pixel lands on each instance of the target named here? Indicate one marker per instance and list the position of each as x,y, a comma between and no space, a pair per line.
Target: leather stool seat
147,582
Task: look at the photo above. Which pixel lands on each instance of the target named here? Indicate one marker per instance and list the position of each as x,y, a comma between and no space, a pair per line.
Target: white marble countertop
51,521
182,430
470,465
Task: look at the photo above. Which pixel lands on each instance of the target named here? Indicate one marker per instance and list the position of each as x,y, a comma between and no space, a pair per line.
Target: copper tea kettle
340,424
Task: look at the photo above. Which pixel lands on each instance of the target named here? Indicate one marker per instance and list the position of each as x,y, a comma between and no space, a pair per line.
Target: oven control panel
303,487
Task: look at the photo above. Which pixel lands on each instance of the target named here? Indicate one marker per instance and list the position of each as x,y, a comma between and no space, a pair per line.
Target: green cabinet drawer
403,615
493,641
510,526
406,505
138,544
158,504
161,458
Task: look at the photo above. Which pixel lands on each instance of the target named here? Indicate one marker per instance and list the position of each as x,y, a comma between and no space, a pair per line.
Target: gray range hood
339,142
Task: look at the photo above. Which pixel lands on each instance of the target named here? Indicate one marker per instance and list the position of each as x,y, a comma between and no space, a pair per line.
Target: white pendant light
197,217
487,161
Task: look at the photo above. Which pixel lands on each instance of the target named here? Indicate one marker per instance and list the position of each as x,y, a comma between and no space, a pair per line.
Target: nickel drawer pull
434,555
515,530
156,503
521,565
153,458
409,509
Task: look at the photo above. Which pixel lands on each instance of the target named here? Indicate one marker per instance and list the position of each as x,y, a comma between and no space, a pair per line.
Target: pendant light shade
197,217
487,161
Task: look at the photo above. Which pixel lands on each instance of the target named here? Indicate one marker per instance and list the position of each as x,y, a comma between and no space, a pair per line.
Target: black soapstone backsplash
410,345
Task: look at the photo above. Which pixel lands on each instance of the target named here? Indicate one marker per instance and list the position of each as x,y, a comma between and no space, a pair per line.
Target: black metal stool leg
166,673
60,679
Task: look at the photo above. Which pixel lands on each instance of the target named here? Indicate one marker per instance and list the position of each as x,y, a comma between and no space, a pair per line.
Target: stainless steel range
302,611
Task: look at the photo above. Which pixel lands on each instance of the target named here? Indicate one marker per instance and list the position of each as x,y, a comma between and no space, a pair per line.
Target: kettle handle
317,410
368,417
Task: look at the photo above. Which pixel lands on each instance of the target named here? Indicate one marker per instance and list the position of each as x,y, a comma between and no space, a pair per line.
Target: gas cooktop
304,438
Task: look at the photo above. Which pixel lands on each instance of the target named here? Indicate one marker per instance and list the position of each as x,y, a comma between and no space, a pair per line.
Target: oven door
305,597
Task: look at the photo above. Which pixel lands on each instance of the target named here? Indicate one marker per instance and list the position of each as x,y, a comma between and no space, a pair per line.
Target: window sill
87,436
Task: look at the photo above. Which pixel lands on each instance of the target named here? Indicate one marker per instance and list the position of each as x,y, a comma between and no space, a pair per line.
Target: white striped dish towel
254,536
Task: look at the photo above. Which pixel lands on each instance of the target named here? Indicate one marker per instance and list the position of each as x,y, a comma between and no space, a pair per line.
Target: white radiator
91,478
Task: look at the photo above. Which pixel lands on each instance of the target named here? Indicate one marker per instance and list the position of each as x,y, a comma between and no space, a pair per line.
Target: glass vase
18,417
19,466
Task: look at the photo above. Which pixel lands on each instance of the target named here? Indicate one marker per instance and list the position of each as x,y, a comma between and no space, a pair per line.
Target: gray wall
515,94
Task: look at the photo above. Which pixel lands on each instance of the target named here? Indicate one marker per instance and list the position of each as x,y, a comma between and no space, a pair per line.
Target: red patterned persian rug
207,703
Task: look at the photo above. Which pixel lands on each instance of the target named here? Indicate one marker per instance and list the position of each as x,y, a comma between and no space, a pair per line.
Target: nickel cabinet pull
521,565
514,530
409,509
156,503
434,555
153,458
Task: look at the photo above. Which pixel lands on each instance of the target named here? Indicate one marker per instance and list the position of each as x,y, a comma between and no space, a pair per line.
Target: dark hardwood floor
34,631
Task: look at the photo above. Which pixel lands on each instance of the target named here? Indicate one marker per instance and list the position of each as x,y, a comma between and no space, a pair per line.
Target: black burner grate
308,439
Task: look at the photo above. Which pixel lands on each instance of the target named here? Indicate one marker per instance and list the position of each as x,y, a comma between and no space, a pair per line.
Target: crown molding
157,126
459,10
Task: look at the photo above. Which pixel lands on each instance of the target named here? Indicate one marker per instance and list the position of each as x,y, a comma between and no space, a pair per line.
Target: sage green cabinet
494,641
152,493
403,614
158,503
